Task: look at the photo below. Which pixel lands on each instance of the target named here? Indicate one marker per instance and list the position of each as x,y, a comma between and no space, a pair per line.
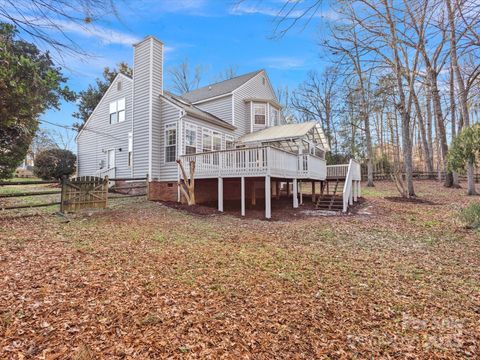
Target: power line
84,129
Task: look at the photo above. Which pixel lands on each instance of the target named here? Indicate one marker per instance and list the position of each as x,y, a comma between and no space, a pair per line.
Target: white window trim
170,126
255,105
117,111
191,127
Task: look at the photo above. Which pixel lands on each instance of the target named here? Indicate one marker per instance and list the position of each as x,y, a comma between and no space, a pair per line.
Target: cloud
283,62
105,35
186,7
281,10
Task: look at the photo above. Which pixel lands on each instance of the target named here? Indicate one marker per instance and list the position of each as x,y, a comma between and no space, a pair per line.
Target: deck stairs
333,201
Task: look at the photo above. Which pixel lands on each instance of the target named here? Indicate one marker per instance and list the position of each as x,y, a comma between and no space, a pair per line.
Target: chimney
147,86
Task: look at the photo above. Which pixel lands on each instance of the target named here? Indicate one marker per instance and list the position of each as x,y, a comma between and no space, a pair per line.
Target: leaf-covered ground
145,281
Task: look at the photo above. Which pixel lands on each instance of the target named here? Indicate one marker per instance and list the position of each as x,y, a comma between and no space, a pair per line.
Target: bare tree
228,73
187,184
185,79
46,21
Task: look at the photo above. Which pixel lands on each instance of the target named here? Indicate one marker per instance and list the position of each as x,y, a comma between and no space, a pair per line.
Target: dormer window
117,111
259,114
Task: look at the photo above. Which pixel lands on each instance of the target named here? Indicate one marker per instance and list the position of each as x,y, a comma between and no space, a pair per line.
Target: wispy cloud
105,35
283,62
186,7
280,10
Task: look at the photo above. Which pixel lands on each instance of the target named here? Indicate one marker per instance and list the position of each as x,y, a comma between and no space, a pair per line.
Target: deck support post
277,189
288,188
242,194
300,192
254,196
220,194
313,191
295,193
350,196
355,190
359,194
268,197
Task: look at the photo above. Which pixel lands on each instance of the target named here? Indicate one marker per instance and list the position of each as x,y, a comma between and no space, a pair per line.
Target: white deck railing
351,188
258,161
337,171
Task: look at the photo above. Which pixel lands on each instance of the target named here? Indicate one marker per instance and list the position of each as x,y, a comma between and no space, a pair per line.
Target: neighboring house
233,130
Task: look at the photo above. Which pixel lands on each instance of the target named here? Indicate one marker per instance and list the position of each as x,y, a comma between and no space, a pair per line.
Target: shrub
471,216
54,163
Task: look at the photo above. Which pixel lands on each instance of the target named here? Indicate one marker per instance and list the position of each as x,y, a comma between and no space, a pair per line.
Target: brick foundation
163,191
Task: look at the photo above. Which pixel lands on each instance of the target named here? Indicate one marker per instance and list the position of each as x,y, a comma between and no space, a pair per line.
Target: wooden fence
74,194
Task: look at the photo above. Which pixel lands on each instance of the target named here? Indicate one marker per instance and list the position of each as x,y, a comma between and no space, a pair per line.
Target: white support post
268,197
300,191
220,194
359,189
350,195
355,190
295,194
313,191
242,195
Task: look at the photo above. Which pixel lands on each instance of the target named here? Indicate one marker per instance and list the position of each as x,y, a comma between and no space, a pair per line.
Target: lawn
145,281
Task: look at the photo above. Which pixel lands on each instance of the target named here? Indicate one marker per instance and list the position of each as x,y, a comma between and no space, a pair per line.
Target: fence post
105,190
62,195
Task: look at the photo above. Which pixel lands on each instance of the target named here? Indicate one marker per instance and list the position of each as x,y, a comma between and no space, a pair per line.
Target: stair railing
353,174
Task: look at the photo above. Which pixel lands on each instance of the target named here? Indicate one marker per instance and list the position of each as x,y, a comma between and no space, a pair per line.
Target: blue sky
214,34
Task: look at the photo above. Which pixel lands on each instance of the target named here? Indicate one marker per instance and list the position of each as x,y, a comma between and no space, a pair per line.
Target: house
233,130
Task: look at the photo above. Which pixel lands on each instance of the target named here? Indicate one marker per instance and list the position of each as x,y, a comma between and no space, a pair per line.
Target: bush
54,163
471,216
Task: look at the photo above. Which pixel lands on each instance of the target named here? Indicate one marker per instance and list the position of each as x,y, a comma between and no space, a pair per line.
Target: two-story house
233,130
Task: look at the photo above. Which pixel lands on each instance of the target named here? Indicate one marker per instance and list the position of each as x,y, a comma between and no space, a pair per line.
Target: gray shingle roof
194,111
220,88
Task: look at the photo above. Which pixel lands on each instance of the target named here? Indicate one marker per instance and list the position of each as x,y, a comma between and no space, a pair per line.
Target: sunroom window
170,143
190,139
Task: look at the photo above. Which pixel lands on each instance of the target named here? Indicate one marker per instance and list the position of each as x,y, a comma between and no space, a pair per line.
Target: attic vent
263,80
119,86
209,88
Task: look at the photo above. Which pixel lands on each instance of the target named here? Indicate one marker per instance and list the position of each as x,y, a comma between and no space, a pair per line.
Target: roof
194,111
286,132
220,88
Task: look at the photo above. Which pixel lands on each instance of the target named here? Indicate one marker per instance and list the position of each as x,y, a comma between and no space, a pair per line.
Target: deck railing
258,161
351,186
337,171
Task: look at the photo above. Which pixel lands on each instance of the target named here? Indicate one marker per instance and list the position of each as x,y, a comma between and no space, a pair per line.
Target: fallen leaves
147,281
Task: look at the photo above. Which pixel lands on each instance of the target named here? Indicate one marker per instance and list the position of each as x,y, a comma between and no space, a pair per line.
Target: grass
142,280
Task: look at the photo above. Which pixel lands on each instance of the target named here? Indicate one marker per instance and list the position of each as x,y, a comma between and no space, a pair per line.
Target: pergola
302,138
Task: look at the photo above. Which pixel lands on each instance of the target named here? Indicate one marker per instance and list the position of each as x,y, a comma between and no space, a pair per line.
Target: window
217,141
259,113
274,117
130,149
117,111
190,139
170,143
229,143
206,140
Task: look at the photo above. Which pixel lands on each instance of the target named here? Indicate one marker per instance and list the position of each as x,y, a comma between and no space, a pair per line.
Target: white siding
169,114
221,108
99,135
147,79
254,88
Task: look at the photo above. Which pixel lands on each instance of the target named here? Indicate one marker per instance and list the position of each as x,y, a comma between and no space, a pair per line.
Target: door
111,159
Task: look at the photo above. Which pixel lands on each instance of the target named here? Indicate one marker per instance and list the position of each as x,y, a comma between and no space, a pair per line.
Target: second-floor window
170,143
259,113
190,139
274,117
117,111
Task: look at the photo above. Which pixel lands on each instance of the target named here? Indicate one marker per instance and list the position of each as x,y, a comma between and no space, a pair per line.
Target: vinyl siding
99,135
254,88
157,89
169,114
221,108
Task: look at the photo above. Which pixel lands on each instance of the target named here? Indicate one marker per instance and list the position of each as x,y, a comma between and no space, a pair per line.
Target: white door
111,159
